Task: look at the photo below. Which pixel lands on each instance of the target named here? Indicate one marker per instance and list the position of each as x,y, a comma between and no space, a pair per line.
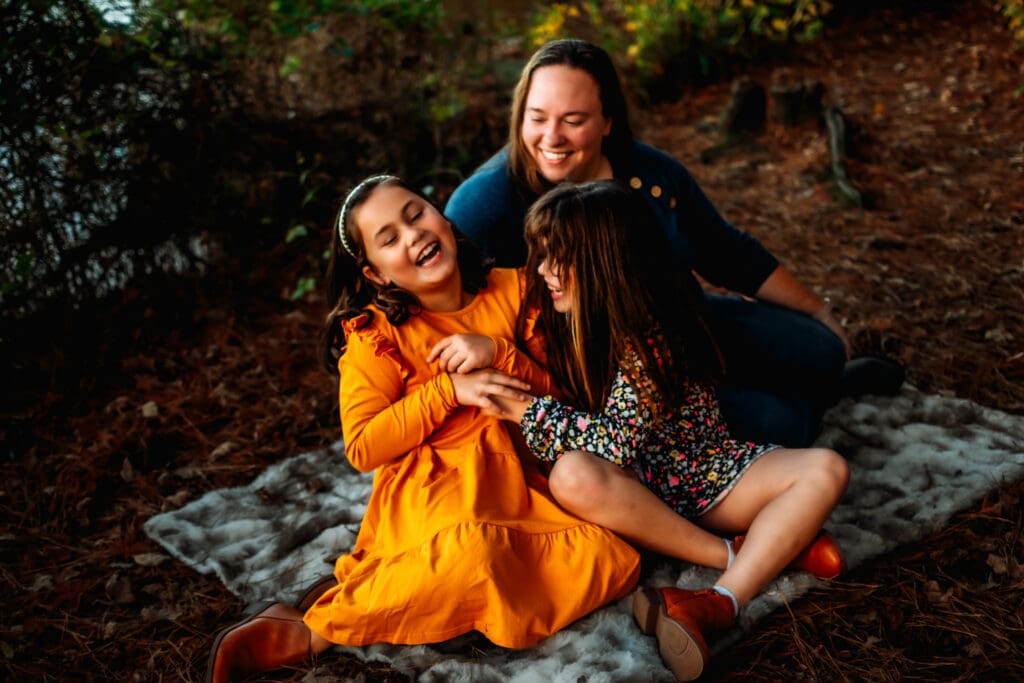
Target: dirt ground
126,412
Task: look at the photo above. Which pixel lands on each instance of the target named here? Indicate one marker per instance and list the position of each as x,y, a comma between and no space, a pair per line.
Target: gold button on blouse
635,183
655,191
672,203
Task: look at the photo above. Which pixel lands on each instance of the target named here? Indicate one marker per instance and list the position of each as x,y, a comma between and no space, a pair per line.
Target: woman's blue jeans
782,370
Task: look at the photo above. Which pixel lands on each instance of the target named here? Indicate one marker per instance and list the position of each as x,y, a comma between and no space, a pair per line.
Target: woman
785,353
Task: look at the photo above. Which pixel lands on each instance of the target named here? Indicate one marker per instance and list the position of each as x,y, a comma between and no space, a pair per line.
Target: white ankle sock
722,590
732,553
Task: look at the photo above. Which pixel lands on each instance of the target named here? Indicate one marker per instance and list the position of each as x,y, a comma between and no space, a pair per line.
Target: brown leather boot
313,593
683,620
821,557
270,639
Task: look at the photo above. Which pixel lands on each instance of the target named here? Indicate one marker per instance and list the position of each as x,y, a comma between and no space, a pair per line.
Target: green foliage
1014,12
22,264
196,129
88,114
304,286
230,29
295,232
307,180
650,33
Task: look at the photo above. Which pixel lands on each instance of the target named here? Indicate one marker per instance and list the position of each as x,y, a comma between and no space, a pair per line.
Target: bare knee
578,480
830,471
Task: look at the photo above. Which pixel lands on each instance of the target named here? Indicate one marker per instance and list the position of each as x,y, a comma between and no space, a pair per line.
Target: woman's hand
463,353
825,317
783,289
486,388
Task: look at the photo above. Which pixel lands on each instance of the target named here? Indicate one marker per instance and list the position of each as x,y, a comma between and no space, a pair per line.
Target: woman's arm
731,258
783,289
702,239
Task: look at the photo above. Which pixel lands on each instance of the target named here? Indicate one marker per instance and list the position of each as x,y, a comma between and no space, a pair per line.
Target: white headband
343,214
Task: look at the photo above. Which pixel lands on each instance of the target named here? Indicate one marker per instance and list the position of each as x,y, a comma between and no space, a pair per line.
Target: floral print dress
686,457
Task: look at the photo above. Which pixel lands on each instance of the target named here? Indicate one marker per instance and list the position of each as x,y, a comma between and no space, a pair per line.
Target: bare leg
603,493
782,500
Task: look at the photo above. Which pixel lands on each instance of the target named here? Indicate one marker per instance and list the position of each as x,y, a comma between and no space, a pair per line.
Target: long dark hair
613,257
349,292
587,57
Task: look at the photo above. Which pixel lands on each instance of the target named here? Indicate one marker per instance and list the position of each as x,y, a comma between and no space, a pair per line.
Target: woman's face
407,241
562,298
563,124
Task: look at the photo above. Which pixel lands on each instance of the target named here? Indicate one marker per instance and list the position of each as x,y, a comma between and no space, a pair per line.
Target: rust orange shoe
271,639
683,620
821,557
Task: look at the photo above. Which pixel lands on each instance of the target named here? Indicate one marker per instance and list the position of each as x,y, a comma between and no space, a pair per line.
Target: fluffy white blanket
915,459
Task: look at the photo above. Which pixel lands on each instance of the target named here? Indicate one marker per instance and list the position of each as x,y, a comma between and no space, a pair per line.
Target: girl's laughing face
407,241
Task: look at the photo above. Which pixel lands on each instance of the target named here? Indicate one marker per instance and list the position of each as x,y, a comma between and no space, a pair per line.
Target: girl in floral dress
640,414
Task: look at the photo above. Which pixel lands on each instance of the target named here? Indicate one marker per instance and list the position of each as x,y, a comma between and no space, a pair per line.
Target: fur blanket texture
915,460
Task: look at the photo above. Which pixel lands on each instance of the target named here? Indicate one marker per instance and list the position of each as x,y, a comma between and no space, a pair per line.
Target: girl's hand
463,353
508,408
485,388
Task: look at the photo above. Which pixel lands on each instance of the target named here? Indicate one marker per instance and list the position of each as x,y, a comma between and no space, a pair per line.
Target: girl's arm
551,428
509,359
463,353
382,422
379,420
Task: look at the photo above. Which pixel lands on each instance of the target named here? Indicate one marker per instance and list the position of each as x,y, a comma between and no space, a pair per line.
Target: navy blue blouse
490,209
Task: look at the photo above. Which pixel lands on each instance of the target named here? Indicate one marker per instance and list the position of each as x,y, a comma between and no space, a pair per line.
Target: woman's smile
564,125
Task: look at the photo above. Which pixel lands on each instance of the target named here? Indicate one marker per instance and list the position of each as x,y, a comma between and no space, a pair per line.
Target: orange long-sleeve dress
459,533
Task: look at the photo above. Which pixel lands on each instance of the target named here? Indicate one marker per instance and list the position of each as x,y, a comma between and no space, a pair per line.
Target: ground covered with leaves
118,413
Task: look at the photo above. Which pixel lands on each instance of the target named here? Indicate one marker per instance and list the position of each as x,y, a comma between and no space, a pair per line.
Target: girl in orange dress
459,534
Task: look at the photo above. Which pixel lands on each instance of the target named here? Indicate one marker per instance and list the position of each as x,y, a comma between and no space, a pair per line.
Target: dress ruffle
362,327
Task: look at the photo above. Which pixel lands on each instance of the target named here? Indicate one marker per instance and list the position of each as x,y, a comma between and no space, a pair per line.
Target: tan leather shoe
270,639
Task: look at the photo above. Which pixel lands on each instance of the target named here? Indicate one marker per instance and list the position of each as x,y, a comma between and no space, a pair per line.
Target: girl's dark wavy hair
349,292
631,299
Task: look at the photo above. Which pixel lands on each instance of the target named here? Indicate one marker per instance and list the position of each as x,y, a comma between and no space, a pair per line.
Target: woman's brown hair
587,57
